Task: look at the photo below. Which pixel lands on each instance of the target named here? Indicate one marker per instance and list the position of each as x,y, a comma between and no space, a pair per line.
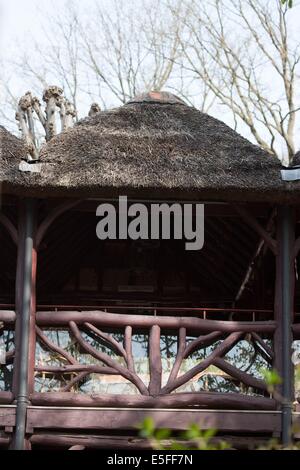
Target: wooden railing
219,336
223,335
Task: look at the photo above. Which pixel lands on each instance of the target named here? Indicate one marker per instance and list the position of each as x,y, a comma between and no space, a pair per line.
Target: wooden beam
125,419
252,222
215,209
176,400
6,398
91,442
175,310
70,369
239,375
254,257
8,416
9,226
135,443
50,218
114,320
7,316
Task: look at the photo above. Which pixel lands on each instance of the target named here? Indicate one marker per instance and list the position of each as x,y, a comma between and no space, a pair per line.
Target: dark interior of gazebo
76,268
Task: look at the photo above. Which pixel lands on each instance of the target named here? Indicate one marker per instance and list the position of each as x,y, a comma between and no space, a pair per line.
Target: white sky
18,18
21,18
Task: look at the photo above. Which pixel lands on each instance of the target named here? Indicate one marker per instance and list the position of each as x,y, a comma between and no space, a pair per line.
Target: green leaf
147,427
192,432
178,446
223,445
271,377
209,433
162,434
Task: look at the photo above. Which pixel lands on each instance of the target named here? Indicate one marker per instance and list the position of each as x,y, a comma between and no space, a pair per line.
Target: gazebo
96,334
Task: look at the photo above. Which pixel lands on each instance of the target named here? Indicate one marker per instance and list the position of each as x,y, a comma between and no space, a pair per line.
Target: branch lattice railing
192,336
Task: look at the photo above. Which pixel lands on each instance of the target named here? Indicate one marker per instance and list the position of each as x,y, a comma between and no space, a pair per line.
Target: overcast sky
19,19
22,20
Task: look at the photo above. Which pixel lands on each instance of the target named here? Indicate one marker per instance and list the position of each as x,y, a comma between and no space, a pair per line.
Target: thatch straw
152,148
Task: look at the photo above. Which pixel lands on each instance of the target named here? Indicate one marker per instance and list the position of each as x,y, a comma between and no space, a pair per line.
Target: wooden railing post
155,361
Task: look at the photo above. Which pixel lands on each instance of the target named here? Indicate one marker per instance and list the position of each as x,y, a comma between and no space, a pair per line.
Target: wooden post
155,361
283,312
32,323
18,294
25,304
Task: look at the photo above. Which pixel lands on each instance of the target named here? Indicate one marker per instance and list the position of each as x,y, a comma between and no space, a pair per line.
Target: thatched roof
154,146
296,161
12,150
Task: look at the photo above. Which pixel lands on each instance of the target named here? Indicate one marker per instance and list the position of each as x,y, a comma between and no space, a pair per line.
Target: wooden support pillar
32,323
25,324
283,313
18,293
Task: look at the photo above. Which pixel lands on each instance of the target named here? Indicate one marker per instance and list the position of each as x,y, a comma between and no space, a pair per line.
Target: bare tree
104,54
128,51
237,54
244,51
8,99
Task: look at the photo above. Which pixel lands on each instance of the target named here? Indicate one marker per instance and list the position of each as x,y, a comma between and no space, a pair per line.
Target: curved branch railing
108,360
224,335
220,336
